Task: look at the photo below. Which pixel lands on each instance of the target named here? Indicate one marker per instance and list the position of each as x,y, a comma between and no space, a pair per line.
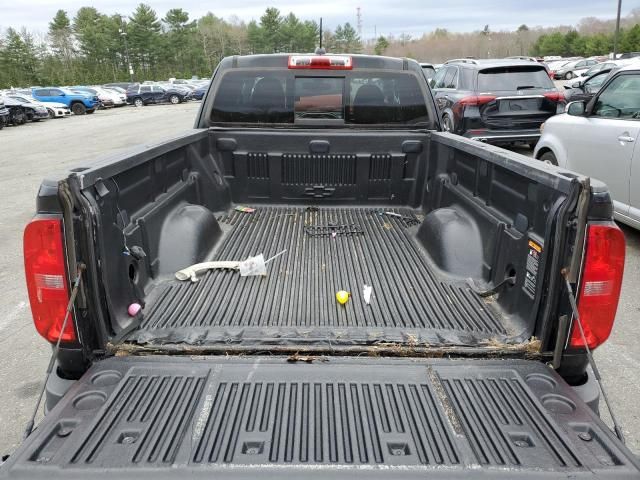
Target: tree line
93,47
572,43
590,37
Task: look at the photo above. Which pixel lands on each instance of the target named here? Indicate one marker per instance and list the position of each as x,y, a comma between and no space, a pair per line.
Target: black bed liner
167,417
296,302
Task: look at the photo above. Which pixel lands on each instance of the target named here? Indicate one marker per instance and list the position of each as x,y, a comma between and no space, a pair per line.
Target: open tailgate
177,417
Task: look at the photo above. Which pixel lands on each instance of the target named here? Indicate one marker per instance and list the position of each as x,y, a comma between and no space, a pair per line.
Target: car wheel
138,102
78,109
568,76
51,113
175,99
447,123
549,157
21,118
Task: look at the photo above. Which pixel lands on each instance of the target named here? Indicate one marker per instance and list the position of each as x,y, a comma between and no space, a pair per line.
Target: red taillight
600,284
555,96
476,100
321,62
46,274
471,101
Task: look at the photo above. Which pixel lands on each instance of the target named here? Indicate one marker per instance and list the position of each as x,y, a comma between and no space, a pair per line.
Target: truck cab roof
281,60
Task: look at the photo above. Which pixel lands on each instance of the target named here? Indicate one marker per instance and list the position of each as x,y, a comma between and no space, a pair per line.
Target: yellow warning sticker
535,246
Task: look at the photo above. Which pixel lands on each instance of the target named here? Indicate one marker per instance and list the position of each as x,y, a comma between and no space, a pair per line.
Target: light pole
123,34
615,38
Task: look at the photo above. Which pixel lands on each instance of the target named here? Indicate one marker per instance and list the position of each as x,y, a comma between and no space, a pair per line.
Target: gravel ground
34,151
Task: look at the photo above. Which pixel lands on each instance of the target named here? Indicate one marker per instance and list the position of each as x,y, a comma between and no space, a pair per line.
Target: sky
381,17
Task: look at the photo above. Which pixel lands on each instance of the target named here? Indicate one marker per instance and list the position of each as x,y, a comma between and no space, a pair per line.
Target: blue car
200,92
77,102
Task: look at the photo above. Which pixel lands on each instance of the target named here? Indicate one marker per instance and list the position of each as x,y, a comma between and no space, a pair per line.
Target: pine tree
271,31
346,40
60,35
180,33
381,45
145,42
20,58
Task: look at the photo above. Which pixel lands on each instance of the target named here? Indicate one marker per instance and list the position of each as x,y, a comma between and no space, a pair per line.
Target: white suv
599,139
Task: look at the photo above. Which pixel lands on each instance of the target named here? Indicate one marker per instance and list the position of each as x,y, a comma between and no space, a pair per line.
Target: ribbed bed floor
297,297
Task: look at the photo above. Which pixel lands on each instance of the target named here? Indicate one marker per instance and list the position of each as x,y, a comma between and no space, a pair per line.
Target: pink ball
133,309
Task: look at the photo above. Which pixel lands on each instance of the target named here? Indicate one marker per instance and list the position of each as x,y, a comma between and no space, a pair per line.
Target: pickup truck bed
409,296
165,417
469,221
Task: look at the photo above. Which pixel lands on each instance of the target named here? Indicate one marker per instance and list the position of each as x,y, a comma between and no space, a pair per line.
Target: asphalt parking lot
31,152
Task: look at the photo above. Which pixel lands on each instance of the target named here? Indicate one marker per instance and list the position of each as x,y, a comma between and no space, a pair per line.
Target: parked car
147,94
628,55
586,88
77,102
4,114
120,92
597,138
17,113
428,70
496,101
184,89
55,110
124,85
200,92
461,358
555,65
191,84
115,88
33,111
597,68
119,98
108,98
573,68
523,57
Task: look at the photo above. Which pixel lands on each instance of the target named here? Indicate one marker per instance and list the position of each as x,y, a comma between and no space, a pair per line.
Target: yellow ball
342,297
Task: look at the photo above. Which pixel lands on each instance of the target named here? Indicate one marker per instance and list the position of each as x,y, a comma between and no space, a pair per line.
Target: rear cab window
513,78
329,98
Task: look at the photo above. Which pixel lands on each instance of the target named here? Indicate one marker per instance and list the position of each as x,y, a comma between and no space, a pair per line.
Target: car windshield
513,79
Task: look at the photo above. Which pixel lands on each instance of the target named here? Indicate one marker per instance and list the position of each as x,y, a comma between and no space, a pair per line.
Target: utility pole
615,38
123,34
320,33
359,22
